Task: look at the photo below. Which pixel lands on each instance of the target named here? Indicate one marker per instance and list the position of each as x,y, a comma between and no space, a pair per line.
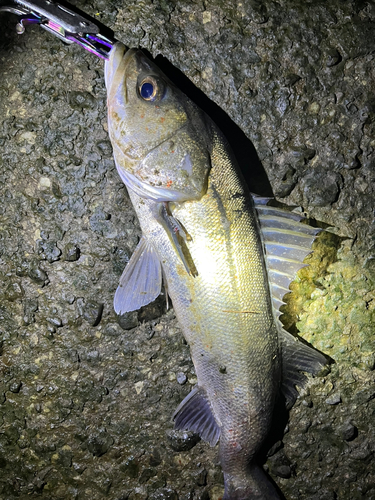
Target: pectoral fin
177,236
141,280
194,414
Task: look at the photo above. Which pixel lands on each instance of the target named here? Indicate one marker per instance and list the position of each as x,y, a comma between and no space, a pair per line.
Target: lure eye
150,89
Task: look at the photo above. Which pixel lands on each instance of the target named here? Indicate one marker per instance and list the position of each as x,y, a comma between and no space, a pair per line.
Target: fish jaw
115,65
162,145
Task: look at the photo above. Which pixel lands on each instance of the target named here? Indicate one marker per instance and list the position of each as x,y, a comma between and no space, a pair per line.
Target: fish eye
150,89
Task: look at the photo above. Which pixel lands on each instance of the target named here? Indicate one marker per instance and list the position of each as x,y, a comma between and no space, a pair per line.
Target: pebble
128,320
282,471
92,312
164,494
182,440
71,252
181,378
334,399
15,387
349,432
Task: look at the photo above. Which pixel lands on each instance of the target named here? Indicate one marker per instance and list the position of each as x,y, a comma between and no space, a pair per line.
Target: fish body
202,233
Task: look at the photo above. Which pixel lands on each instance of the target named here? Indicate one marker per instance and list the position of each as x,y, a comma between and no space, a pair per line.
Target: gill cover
161,140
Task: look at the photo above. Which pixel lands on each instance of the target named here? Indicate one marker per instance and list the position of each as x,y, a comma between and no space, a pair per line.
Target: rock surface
86,404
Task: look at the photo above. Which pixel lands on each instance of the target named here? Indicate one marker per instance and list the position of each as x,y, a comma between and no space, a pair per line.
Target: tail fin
255,485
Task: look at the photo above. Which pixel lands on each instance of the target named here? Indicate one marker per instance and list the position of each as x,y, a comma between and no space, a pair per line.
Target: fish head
161,139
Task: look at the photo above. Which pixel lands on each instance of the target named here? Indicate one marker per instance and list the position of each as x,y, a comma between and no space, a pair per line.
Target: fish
226,259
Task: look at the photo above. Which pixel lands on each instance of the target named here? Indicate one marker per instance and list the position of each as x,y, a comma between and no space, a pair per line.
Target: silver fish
226,257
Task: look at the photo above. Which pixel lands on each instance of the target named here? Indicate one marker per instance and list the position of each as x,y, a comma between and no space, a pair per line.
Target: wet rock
98,221
49,250
155,458
321,188
64,457
14,292
130,467
99,444
112,330
30,307
164,494
15,387
216,493
36,273
334,399
333,58
364,396
91,311
71,252
79,467
81,100
182,440
362,452
201,478
92,356
303,152
55,321
324,494
146,474
275,448
105,147
152,310
181,378
349,432
282,471
288,181
128,320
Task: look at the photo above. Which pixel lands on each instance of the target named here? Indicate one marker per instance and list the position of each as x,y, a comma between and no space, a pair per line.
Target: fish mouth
146,190
115,66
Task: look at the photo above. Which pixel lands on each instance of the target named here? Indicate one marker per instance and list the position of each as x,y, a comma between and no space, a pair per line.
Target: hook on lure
61,21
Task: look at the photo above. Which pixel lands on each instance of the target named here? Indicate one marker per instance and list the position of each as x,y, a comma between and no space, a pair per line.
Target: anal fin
296,359
194,414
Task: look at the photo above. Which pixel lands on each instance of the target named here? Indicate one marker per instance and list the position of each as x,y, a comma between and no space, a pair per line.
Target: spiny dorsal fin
287,242
194,414
141,280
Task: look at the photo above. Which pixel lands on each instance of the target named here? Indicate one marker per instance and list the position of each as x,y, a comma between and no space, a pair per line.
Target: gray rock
334,399
182,440
349,431
181,378
71,252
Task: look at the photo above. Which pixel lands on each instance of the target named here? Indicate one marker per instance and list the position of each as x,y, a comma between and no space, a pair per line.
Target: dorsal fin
287,242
